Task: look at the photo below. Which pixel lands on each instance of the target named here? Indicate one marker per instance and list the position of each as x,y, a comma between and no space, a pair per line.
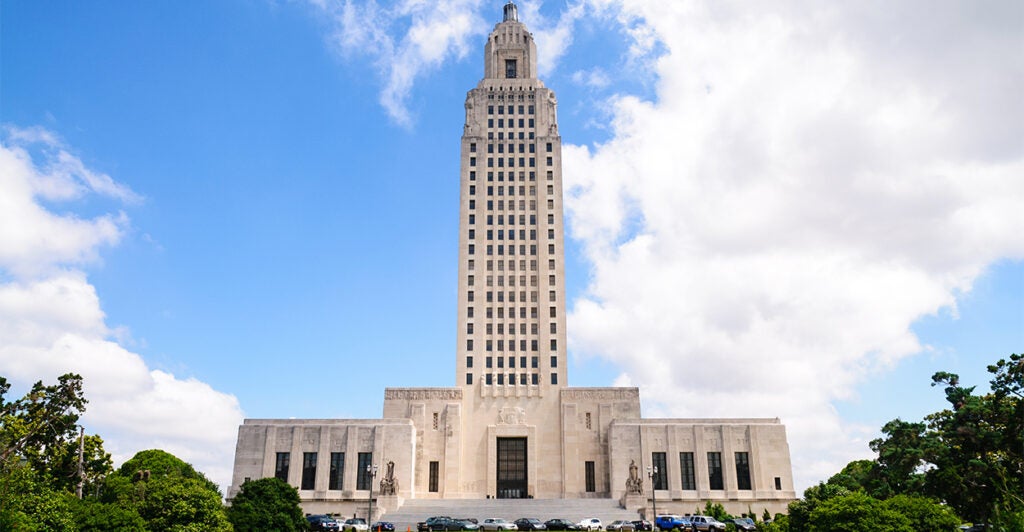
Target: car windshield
745,520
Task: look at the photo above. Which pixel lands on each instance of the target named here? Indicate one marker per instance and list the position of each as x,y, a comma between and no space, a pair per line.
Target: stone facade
512,427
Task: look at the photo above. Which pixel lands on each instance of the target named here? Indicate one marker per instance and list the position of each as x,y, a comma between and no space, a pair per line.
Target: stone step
416,510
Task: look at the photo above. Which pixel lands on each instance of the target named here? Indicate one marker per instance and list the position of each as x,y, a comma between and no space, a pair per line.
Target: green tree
95,516
266,504
856,512
800,511
978,451
45,416
900,454
168,493
27,504
924,513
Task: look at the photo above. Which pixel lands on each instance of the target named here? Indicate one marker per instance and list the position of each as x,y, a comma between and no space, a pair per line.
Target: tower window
510,68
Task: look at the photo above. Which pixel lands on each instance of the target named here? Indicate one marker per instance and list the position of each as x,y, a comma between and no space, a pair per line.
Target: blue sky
249,209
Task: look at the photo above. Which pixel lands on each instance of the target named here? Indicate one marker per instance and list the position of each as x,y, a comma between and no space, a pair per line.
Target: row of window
471,249
716,481
490,313
489,362
524,379
489,329
510,345
490,264
511,109
512,295
511,206
511,218
548,147
336,473
471,280
511,97
512,177
471,265
511,189
511,122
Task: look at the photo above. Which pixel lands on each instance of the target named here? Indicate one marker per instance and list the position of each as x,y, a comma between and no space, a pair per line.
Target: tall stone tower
511,427
511,311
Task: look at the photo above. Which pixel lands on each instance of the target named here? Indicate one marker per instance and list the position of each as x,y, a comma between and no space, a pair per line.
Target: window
308,471
472,249
522,379
552,312
469,296
472,161
436,420
501,378
548,147
363,479
660,480
432,485
281,468
469,362
686,471
469,312
487,379
469,344
534,361
588,468
554,360
472,147
554,378
472,175
743,471
469,379
778,483
337,472
588,421
715,470
534,376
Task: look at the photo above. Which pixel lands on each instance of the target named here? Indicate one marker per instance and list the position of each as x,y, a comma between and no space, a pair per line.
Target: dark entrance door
511,468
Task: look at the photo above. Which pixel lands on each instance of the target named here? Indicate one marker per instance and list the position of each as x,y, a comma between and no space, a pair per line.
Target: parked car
496,523
529,523
590,523
356,524
619,525
322,523
644,525
704,523
674,522
425,526
447,524
467,523
561,524
743,524
382,526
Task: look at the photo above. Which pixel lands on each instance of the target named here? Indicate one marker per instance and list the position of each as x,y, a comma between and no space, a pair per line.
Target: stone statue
388,484
634,484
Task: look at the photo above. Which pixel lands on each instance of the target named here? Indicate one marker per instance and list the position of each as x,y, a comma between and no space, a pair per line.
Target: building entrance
511,468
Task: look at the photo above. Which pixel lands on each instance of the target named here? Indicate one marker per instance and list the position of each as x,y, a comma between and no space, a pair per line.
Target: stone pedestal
633,501
387,503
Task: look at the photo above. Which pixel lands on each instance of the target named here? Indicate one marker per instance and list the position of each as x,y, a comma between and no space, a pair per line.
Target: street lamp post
372,471
652,473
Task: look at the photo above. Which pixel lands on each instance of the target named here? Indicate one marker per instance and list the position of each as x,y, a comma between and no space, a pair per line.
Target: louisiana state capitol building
511,427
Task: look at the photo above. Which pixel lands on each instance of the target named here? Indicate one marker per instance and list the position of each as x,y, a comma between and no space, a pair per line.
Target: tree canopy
266,504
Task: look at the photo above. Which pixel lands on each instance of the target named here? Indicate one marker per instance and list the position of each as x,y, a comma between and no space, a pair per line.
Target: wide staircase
417,510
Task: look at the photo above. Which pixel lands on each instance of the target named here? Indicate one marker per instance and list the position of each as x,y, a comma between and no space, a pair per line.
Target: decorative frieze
601,394
422,394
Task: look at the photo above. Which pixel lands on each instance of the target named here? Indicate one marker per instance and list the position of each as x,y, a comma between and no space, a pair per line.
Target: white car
497,523
355,525
592,523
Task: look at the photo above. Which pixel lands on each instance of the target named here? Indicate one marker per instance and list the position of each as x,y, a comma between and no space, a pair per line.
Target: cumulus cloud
809,181
52,322
405,40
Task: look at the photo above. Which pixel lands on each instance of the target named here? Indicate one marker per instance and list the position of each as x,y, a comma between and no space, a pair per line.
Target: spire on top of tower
511,12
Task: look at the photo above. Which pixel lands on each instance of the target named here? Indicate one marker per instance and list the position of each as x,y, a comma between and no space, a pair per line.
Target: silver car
497,523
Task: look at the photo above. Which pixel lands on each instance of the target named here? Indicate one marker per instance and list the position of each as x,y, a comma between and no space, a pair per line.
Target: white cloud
810,180
405,40
51,320
596,78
